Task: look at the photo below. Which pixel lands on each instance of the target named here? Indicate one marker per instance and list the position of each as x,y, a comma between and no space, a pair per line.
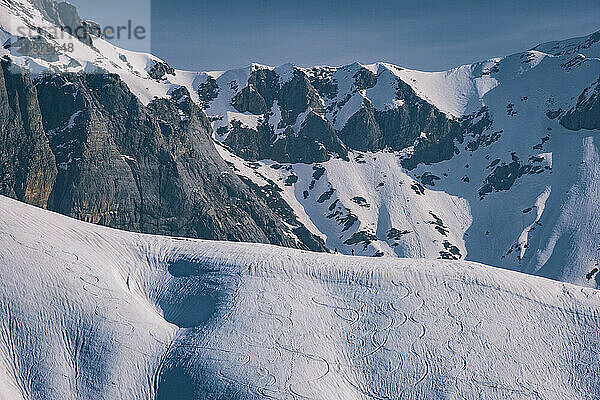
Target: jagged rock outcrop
314,142
415,122
308,115
291,139
33,47
249,143
207,92
160,69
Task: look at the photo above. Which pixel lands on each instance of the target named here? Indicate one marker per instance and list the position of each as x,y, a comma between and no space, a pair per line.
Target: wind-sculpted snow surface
93,313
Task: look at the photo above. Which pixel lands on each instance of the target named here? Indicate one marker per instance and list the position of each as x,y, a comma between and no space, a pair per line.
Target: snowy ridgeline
88,312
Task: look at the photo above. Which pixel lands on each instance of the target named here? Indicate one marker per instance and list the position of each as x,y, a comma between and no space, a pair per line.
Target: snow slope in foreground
88,312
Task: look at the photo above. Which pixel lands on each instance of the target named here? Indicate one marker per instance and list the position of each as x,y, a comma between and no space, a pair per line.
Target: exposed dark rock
294,97
270,194
439,224
403,127
93,28
396,234
360,159
266,83
364,79
320,132
150,169
361,131
586,113
418,188
540,146
414,122
251,144
494,163
361,201
314,141
363,237
342,215
65,16
591,274
249,100
208,91
510,110
27,165
326,196
298,149
290,180
477,127
574,62
321,80
450,252
504,175
318,172
160,70
553,114
429,179
35,47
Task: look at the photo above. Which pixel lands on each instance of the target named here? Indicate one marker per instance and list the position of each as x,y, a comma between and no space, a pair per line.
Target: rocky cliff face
301,132
83,145
309,115
27,164
586,113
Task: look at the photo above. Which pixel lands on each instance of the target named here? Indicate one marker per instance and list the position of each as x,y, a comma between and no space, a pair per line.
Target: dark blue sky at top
426,34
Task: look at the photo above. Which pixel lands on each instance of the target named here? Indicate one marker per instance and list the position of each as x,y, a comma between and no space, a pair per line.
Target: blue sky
426,34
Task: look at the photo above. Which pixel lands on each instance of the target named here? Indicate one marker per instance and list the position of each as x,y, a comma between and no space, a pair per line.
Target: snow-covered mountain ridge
495,162
502,170
95,313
